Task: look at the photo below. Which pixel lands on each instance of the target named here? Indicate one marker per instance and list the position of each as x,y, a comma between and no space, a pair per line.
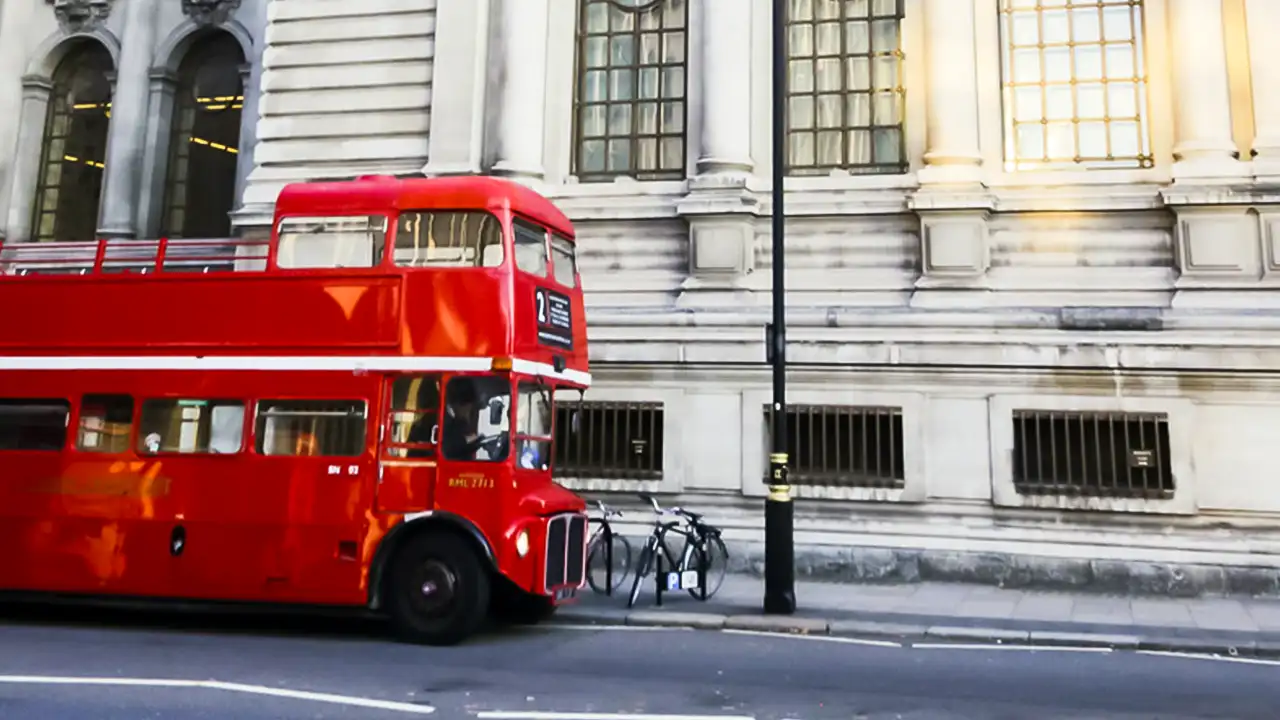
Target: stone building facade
1033,246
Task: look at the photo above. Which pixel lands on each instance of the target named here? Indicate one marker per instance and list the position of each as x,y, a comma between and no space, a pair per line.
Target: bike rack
608,557
660,576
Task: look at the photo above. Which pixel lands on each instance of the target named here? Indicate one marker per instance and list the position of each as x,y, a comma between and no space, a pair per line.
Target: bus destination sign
555,318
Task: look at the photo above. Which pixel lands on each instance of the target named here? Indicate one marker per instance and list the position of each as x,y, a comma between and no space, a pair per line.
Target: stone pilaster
26,158
953,154
725,43
126,142
462,45
523,90
1203,146
1263,20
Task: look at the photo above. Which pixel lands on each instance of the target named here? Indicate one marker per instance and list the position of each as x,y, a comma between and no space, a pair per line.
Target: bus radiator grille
566,538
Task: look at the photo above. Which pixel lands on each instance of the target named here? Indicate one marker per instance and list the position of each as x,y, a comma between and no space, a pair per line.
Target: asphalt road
91,665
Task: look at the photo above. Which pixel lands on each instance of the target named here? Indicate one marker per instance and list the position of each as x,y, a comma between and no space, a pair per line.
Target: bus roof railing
109,256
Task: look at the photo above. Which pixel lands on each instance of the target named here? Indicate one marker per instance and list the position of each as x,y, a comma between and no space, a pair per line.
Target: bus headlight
522,543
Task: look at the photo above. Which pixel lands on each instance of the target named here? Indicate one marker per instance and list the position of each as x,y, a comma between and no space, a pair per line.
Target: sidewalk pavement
941,612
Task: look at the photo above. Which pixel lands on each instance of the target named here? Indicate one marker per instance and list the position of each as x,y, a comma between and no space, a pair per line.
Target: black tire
458,576
598,555
717,566
514,606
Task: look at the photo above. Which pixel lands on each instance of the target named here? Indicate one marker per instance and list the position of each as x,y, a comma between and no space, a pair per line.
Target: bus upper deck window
531,248
448,238
566,265
354,241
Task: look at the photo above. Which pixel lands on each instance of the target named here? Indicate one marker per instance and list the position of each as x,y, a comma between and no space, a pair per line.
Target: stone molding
209,12
79,16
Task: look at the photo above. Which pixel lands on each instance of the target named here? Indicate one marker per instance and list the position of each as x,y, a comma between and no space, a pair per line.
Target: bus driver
461,438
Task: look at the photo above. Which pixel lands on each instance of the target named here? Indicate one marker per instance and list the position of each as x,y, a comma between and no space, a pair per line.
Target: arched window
74,147
204,144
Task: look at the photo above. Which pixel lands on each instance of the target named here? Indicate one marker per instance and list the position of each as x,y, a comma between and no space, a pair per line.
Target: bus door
410,438
475,446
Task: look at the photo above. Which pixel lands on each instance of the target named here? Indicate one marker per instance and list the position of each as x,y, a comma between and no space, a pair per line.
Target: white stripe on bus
389,363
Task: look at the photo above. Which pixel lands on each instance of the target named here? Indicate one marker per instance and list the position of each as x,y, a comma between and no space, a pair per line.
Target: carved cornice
80,15
210,12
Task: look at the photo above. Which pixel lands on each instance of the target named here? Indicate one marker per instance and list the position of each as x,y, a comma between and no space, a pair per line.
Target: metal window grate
615,440
845,87
1074,84
1092,454
629,105
843,446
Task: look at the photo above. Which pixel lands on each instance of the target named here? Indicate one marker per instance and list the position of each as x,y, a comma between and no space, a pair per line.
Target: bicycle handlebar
607,511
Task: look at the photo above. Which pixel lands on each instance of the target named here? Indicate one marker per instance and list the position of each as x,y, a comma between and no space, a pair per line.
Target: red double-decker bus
357,412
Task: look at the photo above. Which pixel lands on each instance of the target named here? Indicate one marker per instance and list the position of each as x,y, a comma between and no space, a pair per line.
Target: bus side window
413,420
106,421
34,423
531,248
331,242
448,238
190,426
565,264
311,428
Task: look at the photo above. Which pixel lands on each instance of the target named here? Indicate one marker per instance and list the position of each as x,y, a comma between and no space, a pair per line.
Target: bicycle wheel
642,569
717,565
598,561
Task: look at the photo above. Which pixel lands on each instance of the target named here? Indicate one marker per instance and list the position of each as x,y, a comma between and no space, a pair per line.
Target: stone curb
914,634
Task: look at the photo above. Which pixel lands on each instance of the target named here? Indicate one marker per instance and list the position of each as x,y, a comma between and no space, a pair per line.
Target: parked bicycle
608,554
702,541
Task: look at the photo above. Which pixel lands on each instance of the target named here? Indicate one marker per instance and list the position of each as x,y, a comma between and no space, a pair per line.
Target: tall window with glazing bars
629,103
1075,88
845,87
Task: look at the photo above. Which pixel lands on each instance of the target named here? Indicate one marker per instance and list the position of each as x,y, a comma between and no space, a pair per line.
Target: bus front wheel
438,590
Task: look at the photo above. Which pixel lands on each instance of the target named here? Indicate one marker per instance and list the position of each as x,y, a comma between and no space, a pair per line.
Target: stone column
953,150
251,79
1203,143
462,45
14,24
25,168
1263,22
155,168
126,143
726,88
521,106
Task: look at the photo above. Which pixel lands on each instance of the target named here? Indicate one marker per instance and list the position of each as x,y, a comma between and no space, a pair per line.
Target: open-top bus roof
379,193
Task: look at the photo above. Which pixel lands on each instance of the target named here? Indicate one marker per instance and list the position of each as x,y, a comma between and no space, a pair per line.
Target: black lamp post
779,515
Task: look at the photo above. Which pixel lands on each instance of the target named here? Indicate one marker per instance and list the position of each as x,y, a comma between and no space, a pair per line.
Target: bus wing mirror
495,412
575,422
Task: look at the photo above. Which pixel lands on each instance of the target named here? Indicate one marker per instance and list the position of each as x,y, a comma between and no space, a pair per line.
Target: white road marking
538,715
1219,658
349,700
820,638
1025,648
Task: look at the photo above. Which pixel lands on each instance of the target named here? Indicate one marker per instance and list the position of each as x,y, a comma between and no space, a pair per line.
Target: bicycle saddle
692,515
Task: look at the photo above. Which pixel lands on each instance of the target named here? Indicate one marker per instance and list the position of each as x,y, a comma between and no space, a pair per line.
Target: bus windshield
477,425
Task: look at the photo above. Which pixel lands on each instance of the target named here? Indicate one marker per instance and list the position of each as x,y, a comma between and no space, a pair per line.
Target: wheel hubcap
436,588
